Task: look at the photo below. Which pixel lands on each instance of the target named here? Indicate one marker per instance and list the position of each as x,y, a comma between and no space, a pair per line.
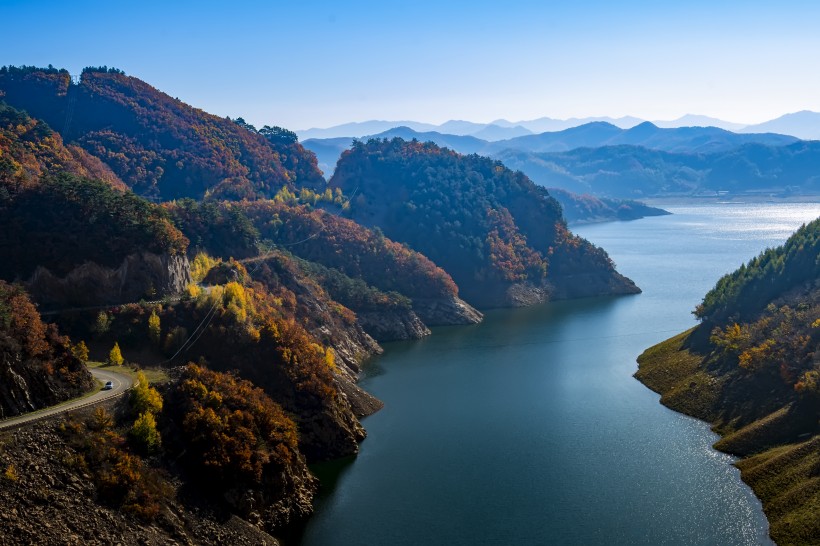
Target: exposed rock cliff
140,276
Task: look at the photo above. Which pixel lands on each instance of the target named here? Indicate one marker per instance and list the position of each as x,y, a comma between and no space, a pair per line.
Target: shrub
11,473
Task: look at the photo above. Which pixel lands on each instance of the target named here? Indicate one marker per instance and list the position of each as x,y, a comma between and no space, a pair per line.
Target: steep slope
158,145
501,238
75,240
37,367
750,368
367,267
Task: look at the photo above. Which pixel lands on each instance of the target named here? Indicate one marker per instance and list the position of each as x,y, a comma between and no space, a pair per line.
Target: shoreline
676,374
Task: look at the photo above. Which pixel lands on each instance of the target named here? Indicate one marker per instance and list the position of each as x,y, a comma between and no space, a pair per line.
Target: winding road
122,383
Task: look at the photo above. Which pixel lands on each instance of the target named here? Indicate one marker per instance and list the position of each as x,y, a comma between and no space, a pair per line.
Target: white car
108,385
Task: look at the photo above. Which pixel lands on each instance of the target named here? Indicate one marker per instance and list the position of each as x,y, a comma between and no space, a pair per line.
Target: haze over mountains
590,135
604,160
804,125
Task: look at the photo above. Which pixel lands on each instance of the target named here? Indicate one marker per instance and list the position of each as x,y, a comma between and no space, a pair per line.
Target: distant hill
802,125
635,172
684,140
501,237
750,369
545,124
358,129
694,120
597,134
158,145
495,130
805,125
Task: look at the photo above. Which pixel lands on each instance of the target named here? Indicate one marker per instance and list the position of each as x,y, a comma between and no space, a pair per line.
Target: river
529,428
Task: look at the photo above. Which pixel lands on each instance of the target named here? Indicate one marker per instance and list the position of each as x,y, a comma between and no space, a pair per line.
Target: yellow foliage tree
80,350
144,432
144,397
115,356
200,265
154,329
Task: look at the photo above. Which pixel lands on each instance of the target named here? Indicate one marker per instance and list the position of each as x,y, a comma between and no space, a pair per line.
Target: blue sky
313,63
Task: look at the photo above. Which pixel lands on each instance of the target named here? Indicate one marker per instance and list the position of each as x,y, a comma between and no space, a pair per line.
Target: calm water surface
529,428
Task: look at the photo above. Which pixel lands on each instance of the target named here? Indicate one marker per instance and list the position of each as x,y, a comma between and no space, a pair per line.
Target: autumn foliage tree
115,357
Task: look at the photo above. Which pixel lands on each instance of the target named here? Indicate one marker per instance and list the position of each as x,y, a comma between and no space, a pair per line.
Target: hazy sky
303,63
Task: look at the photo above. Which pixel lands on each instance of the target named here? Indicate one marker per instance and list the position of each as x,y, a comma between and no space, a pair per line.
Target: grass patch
677,375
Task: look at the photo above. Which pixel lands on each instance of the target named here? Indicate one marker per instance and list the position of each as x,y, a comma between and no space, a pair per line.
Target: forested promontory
502,238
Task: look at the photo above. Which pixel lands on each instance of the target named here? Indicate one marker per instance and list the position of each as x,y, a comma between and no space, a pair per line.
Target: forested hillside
29,149
158,145
501,237
751,369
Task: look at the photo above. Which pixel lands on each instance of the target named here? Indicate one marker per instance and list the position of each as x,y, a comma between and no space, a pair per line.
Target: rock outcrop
446,311
393,325
140,276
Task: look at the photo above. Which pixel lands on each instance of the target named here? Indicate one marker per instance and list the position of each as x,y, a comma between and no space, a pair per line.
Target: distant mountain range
685,140
804,125
605,161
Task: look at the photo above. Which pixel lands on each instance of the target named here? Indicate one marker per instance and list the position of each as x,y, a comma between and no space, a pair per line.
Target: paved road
121,383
